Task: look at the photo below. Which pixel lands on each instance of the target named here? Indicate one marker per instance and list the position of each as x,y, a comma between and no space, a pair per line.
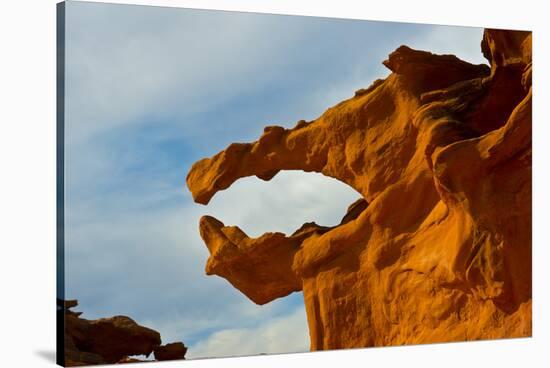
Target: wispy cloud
286,334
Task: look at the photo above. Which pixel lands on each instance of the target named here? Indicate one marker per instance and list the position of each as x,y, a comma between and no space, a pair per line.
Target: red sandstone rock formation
173,351
439,247
111,340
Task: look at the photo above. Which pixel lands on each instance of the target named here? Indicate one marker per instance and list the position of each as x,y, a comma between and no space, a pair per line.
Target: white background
27,184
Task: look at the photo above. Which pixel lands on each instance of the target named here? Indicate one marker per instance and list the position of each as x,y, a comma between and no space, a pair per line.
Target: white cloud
464,42
128,62
286,334
283,204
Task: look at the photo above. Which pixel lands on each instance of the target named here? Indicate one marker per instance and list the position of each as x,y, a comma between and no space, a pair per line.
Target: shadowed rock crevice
439,246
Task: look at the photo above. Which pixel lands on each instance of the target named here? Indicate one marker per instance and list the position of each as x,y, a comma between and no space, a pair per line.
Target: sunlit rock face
439,247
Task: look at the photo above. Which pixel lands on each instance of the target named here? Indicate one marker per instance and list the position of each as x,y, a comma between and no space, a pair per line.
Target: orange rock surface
439,246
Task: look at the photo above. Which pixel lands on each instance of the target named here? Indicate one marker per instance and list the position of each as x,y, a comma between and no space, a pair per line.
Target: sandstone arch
441,152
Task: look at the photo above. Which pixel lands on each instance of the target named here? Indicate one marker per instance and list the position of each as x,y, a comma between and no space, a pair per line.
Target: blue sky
150,90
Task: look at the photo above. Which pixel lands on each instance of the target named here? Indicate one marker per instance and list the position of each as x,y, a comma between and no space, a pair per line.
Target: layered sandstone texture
438,247
111,340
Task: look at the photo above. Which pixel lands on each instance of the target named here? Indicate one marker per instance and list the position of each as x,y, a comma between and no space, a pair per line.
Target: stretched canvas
235,183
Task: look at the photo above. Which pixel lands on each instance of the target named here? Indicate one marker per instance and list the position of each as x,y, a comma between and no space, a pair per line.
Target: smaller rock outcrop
111,340
173,351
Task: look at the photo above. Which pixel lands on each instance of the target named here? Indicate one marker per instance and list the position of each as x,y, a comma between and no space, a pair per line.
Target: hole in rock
284,203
